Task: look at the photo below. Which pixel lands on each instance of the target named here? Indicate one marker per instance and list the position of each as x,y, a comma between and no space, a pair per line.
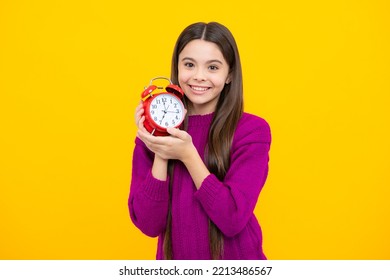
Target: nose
199,75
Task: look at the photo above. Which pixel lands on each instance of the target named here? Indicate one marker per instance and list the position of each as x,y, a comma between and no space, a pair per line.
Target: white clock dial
166,110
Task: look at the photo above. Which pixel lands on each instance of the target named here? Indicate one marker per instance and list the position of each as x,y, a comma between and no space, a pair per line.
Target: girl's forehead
201,50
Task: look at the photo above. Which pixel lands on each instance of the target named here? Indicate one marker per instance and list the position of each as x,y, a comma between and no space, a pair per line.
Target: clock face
166,110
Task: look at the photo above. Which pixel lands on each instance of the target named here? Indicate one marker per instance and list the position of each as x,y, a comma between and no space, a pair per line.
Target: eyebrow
209,61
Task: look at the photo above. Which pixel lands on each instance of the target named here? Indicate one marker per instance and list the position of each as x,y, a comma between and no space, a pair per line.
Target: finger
150,139
142,135
139,110
139,107
140,104
141,124
152,142
145,137
176,132
138,113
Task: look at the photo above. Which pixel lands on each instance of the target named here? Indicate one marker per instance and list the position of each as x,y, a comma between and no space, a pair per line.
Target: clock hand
166,109
162,119
165,112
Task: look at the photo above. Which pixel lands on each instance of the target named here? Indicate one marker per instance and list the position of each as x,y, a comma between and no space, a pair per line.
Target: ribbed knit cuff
208,191
156,189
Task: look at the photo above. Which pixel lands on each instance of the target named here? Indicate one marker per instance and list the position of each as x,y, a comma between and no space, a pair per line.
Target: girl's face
203,73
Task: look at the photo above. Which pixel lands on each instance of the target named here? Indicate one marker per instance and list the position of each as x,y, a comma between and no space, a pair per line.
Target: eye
189,64
213,67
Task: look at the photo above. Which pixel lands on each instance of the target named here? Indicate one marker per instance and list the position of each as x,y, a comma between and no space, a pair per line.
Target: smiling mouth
199,89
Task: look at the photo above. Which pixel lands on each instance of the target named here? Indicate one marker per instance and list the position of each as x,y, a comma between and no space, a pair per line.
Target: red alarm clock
162,109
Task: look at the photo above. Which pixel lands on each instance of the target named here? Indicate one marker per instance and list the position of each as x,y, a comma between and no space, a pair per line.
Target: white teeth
199,88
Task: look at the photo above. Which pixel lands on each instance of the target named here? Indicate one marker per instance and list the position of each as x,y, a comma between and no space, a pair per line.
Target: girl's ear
228,79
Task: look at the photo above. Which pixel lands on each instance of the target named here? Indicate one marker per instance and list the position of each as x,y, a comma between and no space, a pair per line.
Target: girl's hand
139,111
176,146
140,118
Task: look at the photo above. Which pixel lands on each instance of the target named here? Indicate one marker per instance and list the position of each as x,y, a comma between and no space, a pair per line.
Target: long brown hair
226,116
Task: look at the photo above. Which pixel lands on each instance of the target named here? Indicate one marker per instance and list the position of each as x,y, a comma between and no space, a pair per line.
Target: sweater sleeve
230,203
148,199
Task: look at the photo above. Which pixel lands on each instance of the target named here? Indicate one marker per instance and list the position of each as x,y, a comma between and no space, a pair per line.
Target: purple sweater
229,204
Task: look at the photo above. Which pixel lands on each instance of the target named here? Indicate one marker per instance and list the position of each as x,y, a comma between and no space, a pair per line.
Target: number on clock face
166,110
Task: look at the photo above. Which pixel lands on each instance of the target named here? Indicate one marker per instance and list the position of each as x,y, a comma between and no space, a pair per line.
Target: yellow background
71,74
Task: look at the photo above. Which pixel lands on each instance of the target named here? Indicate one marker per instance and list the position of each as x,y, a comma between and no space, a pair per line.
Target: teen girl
196,189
